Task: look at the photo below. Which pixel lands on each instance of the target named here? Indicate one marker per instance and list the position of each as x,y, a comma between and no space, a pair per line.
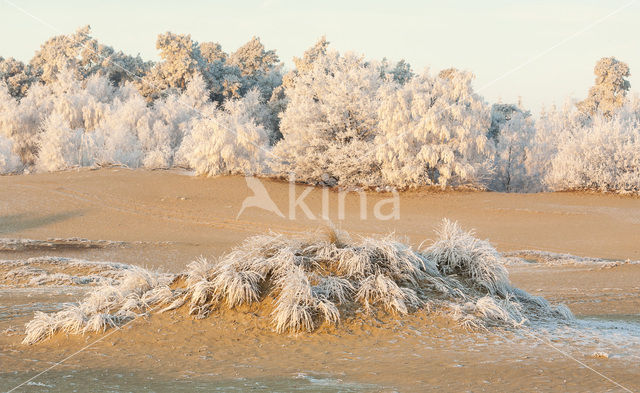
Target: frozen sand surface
168,219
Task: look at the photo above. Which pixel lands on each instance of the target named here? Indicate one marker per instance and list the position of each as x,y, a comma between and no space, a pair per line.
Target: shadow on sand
20,222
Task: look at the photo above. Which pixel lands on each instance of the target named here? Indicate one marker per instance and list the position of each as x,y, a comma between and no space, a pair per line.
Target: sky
541,52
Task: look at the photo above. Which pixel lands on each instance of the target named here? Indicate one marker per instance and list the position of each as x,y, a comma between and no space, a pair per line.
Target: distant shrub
330,121
226,141
433,132
335,119
603,155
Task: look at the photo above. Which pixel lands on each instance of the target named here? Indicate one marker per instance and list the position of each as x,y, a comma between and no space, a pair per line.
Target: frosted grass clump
322,277
107,306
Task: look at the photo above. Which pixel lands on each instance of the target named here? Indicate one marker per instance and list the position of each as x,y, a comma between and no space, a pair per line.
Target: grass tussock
319,278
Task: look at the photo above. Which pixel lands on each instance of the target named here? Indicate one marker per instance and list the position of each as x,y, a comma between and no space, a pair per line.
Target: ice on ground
553,258
59,271
7,244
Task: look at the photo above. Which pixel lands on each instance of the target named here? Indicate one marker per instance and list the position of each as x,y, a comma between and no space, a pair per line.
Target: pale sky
542,51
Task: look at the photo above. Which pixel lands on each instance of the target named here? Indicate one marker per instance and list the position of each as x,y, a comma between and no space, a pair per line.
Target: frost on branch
433,132
330,122
228,140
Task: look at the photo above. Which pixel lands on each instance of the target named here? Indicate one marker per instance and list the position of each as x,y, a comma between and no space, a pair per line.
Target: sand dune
165,219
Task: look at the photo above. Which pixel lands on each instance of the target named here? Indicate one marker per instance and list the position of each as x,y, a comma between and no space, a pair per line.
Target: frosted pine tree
610,89
16,75
84,56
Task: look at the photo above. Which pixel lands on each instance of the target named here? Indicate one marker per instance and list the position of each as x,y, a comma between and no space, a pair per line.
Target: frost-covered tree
602,155
551,127
72,131
61,147
330,122
20,120
400,72
16,75
278,101
212,52
162,133
85,56
9,161
433,132
227,140
503,113
181,60
252,58
610,89
260,68
305,63
225,76
513,142
9,115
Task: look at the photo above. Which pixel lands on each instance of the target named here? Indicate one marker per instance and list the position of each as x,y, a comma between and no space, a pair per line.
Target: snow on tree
225,76
16,75
9,161
550,126
278,101
602,155
401,72
259,68
117,133
81,103
513,150
8,113
227,140
610,89
305,64
85,56
252,58
212,52
181,60
163,131
330,122
71,133
501,114
433,132
61,147
334,119
20,121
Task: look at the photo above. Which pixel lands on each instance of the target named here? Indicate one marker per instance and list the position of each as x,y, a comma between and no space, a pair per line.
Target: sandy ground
166,219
